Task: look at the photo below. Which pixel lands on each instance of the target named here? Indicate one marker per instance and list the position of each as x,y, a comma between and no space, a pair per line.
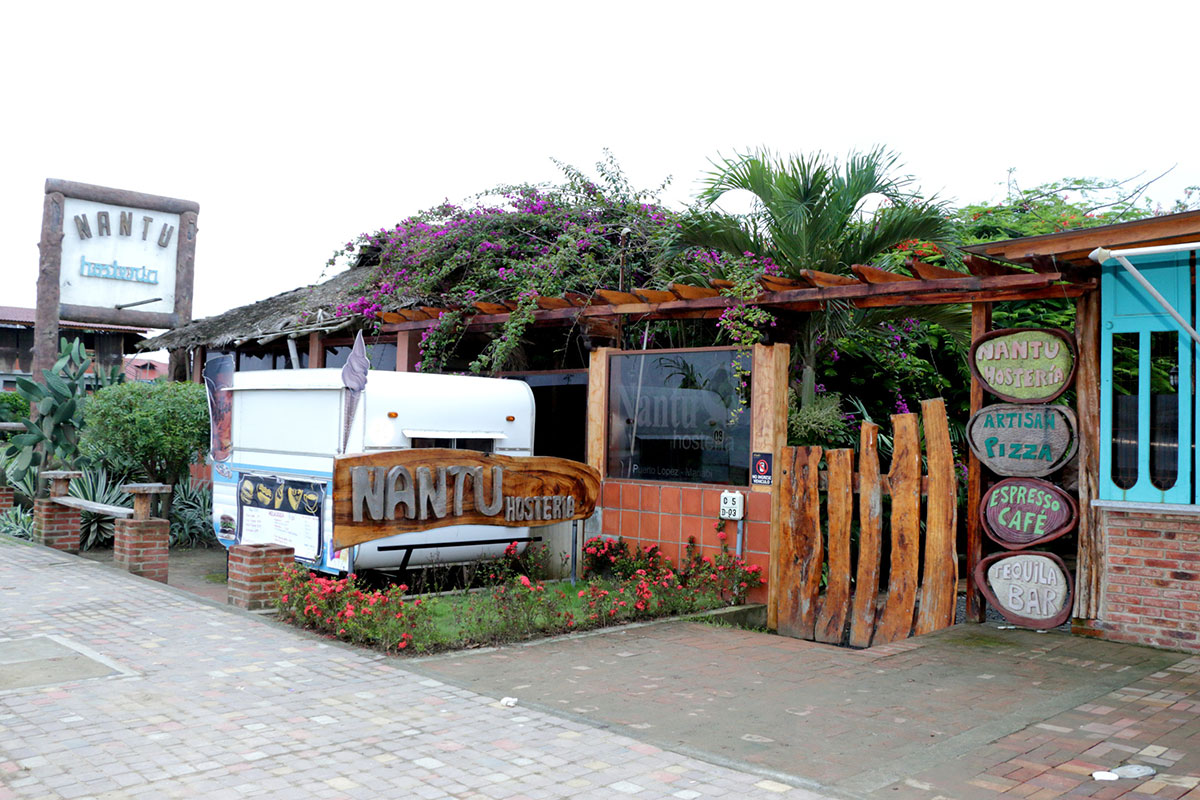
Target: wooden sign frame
49,310
1068,341
980,575
1065,528
376,495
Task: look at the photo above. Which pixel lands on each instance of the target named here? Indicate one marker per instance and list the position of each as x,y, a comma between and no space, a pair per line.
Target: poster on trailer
273,510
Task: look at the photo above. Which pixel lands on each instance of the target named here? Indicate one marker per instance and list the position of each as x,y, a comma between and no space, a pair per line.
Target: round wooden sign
1024,365
1018,513
1033,590
1022,441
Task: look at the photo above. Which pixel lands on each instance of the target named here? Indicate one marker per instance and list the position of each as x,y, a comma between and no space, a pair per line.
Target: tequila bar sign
400,491
1029,589
1022,441
1024,365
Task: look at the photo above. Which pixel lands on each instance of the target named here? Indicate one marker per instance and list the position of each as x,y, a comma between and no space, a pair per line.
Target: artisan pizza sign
1022,440
401,491
1024,365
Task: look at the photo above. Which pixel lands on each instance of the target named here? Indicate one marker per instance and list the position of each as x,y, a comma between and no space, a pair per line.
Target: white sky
296,129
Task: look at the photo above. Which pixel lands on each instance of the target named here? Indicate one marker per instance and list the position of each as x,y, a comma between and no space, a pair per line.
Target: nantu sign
400,491
1024,365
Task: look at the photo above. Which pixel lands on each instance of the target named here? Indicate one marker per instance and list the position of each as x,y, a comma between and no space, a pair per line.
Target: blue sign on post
760,469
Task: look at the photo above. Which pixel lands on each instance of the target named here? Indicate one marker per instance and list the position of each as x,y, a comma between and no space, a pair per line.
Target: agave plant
17,522
191,515
101,487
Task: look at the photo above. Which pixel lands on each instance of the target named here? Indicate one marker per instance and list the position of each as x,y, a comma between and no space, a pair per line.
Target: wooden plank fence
807,550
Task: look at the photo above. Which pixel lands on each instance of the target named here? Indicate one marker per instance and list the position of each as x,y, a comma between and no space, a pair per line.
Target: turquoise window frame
1126,307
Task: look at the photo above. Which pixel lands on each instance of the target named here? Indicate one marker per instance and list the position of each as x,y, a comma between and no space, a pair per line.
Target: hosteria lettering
1024,365
1024,512
1030,589
400,491
1022,441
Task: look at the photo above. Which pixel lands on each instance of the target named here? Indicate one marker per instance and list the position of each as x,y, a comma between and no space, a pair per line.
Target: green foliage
191,515
97,485
16,522
820,423
13,408
53,440
156,428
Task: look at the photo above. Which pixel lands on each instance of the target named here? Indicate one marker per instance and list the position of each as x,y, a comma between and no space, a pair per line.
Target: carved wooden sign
1022,441
1024,365
1018,513
400,491
1029,589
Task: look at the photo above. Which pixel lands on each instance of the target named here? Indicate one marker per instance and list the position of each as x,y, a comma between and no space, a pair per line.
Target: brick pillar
140,547
6,498
55,526
253,569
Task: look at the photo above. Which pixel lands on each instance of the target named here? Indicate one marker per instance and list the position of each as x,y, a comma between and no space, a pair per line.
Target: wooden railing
807,550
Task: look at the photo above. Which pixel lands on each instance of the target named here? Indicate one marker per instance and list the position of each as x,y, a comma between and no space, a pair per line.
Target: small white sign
115,255
733,505
301,532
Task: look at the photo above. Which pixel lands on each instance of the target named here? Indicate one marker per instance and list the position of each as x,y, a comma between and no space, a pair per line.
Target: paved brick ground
201,701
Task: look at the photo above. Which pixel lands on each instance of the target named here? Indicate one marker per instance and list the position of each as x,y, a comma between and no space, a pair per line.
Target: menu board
273,510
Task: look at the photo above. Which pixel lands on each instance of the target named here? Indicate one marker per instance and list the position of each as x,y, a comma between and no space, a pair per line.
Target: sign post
113,257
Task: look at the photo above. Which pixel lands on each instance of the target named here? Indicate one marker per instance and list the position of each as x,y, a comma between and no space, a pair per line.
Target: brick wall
667,514
6,498
140,547
55,526
253,569
1151,583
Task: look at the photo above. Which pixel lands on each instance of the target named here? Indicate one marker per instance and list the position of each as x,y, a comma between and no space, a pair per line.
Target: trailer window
422,442
479,445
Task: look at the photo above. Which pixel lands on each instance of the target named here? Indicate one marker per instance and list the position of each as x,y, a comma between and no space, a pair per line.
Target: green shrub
155,428
13,408
18,522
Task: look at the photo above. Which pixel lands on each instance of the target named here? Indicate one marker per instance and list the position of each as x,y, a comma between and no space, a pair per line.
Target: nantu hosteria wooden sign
400,491
1018,513
1029,589
1024,365
1022,440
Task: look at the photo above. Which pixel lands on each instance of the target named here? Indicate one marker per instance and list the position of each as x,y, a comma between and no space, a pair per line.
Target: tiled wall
667,514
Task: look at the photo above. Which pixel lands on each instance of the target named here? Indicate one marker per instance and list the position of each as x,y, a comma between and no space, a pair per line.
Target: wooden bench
143,495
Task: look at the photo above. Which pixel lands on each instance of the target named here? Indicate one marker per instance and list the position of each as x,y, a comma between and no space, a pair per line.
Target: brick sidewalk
115,687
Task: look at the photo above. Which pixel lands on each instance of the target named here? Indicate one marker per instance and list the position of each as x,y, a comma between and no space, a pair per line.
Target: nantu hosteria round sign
1024,365
1018,513
1029,589
1024,441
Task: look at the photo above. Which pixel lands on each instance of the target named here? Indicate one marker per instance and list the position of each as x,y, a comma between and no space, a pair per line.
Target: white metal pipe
1144,251
1100,255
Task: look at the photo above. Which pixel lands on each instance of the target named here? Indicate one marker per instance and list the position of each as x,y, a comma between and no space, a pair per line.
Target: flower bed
620,585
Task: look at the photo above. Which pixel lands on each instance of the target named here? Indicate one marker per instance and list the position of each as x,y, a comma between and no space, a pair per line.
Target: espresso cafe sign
1022,440
400,491
1029,589
1023,512
1024,365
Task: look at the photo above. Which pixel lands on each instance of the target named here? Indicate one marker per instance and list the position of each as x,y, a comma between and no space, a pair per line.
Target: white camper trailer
287,425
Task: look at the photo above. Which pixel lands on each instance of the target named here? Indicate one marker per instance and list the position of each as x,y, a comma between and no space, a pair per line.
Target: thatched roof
299,311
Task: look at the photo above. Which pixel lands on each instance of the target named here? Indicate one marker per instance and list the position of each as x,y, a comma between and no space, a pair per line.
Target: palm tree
808,213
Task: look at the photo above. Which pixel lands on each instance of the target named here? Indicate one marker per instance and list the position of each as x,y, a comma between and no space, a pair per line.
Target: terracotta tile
650,498
629,524
610,524
668,529
631,496
690,502
712,503
648,527
691,526
758,537
758,506
670,550
669,500
610,497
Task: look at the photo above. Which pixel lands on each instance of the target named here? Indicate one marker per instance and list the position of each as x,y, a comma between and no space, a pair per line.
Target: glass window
679,416
1164,409
1125,410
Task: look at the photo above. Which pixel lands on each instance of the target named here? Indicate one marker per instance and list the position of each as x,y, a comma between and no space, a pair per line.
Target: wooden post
199,354
831,619
185,266
597,409
408,351
981,323
1089,567
768,434
896,620
316,351
939,578
796,563
870,516
45,325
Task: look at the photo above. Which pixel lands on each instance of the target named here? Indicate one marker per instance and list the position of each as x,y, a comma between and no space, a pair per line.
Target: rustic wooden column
768,434
408,350
981,323
45,326
199,353
597,408
185,265
1090,564
316,350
